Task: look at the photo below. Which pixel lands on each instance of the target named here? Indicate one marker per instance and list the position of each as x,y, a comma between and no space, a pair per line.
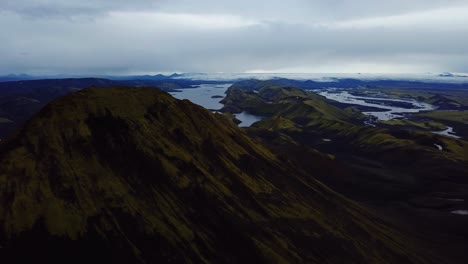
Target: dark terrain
21,99
397,172
131,175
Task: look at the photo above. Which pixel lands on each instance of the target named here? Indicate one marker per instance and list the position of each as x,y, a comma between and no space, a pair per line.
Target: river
388,111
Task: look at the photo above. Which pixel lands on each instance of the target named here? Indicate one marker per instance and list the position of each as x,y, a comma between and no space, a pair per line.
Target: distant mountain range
230,77
19,100
24,77
448,74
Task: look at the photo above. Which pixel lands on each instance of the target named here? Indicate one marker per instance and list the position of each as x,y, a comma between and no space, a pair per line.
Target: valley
388,108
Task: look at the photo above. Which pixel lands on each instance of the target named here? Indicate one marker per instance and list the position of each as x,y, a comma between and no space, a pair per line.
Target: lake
448,132
202,95
247,119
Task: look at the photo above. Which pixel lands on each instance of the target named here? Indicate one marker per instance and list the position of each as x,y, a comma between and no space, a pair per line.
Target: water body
460,212
448,132
202,95
369,123
439,146
452,199
388,111
247,119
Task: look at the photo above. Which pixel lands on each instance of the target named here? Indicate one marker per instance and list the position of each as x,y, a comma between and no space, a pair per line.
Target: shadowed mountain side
133,175
20,100
415,178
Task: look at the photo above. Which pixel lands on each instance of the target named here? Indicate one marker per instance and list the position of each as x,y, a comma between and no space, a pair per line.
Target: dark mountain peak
131,175
176,75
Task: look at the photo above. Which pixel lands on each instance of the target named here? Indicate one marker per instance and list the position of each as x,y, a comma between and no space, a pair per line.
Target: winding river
388,112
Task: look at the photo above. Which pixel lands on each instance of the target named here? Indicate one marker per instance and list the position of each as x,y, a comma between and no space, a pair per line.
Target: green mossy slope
133,175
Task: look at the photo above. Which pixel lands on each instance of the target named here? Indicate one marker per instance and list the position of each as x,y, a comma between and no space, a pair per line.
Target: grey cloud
265,9
297,35
310,10
60,8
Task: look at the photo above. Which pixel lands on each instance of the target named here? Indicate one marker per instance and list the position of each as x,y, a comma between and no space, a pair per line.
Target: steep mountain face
133,175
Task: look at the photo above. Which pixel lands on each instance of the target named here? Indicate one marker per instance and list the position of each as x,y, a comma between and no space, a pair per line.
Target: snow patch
439,146
460,212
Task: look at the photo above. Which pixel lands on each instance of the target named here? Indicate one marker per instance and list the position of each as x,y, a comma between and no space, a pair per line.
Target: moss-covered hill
421,176
267,98
133,175
309,118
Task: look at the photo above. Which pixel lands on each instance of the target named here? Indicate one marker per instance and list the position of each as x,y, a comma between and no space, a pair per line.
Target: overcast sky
150,36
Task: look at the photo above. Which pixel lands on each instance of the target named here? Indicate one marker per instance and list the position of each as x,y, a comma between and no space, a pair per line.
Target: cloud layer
133,37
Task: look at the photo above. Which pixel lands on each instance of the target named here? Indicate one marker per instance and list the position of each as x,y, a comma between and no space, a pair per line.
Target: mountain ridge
134,175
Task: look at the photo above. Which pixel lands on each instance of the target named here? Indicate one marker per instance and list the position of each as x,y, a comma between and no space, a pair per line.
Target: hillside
133,175
267,98
20,100
415,178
